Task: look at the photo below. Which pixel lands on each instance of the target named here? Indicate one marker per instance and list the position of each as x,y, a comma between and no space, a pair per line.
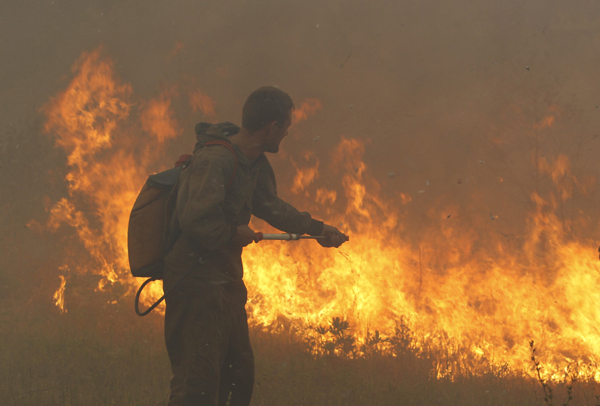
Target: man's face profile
277,133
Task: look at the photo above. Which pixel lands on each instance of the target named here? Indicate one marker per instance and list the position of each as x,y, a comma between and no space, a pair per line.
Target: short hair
265,105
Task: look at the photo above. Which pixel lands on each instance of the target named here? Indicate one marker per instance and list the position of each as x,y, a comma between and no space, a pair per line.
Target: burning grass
103,355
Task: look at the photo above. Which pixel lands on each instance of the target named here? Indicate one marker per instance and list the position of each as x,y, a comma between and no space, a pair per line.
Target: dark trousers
206,333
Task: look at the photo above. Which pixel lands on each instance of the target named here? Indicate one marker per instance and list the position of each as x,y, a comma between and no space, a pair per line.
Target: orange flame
451,288
108,159
304,177
457,287
202,103
158,119
545,122
309,107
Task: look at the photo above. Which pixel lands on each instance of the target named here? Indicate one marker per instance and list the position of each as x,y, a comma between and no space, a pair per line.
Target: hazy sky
438,87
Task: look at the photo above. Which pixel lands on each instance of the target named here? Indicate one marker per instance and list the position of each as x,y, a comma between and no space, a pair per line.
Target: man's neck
249,143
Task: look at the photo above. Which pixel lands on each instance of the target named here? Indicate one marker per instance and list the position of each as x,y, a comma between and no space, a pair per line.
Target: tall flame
458,287
112,142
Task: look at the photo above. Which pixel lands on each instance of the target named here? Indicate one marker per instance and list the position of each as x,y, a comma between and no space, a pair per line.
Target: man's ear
273,126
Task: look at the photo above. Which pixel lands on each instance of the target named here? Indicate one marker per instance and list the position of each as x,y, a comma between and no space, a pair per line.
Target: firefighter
206,328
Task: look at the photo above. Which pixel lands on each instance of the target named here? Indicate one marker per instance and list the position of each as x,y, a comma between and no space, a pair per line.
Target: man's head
268,114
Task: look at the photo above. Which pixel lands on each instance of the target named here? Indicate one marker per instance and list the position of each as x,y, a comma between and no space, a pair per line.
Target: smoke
453,96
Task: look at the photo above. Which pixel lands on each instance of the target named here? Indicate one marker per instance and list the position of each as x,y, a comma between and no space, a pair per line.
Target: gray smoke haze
436,86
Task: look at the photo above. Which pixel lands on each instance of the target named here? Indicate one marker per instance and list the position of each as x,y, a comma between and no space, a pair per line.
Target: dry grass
101,354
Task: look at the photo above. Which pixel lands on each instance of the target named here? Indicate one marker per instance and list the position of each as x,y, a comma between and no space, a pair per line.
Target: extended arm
268,206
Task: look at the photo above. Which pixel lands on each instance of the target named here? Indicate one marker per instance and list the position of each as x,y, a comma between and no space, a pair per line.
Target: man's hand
244,236
335,237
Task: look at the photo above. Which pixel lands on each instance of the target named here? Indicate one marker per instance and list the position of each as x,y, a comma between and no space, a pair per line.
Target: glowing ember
59,295
457,288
